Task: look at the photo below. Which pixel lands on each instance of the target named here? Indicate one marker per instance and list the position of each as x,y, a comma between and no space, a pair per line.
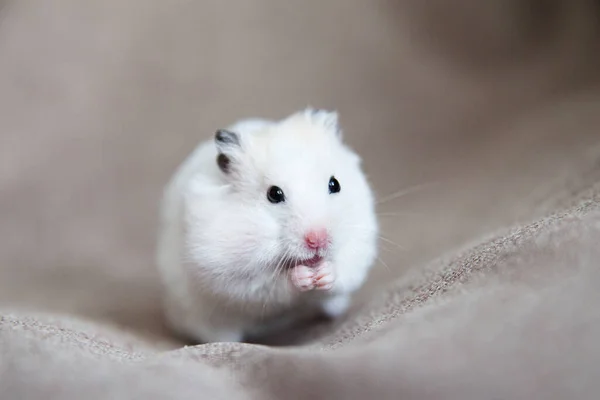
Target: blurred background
483,108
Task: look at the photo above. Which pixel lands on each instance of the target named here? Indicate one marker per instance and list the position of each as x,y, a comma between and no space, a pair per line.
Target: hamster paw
324,277
303,277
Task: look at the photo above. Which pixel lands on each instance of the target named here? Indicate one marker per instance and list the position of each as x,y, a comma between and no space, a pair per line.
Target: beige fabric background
487,281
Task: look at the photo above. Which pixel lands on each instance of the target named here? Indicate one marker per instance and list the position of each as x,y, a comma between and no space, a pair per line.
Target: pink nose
317,239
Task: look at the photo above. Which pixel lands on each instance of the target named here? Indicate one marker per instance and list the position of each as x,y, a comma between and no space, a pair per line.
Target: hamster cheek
265,234
263,237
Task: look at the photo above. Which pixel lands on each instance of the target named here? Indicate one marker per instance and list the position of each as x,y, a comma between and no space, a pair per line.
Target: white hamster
265,221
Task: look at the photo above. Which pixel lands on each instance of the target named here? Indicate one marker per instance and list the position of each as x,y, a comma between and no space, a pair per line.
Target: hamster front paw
303,277
307,278
324,276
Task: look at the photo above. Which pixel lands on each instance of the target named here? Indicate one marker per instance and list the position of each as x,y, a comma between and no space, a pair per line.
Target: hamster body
266,222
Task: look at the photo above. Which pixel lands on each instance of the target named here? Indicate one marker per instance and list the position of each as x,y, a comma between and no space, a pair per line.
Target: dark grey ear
225,138
228,144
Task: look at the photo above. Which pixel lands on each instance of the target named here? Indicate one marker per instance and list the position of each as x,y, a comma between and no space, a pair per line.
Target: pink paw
324,277
303,277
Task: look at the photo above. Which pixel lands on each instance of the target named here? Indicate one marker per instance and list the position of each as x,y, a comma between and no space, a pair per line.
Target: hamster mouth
313,262
309,262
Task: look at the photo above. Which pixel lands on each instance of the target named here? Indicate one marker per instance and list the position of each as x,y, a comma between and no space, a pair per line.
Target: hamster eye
275,195
334,185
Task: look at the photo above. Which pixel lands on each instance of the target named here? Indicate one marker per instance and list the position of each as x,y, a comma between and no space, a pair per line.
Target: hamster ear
225,138
228,144
325,118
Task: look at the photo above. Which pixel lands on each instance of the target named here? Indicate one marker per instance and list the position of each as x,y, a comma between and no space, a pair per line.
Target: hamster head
301,186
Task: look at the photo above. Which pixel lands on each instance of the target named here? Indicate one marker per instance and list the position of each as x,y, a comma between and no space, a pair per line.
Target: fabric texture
479,127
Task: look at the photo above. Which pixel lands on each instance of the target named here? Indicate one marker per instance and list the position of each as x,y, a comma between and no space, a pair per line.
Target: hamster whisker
279,267
387,267
392,242
385,239
363,227
398,214
383,247
270,290
404,192
384,264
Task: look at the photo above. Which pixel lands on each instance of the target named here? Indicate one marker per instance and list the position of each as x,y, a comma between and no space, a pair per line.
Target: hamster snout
317,239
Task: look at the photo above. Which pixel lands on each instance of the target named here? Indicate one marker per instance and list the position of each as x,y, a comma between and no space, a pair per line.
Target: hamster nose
317,239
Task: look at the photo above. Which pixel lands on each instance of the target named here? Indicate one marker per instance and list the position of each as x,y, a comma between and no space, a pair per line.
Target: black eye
334,185
275,195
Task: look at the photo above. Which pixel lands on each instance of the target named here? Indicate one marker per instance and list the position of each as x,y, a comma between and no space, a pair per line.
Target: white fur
221,240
